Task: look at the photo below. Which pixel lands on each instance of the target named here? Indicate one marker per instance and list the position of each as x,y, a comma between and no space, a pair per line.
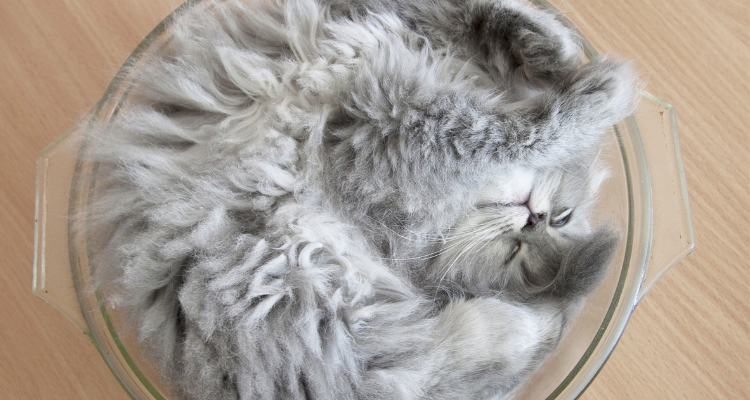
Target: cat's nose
534,220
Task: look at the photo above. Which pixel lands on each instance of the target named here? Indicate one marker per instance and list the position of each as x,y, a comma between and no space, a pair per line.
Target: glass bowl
646,197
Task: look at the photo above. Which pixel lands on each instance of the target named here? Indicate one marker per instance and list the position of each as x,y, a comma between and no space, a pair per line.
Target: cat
370,199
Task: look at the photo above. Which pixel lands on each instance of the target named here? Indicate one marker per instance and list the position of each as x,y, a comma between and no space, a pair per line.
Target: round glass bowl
645,197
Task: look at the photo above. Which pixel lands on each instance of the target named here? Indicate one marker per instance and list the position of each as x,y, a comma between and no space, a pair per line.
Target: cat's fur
337,200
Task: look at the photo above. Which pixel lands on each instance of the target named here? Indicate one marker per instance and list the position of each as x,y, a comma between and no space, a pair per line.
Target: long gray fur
302,199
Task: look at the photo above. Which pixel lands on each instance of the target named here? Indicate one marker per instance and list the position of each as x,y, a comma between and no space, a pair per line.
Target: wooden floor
688,339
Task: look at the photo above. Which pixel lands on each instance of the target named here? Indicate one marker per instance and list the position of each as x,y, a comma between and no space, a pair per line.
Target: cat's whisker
438,253
453,262
416,235
466,232
479,250
485,228
468,247
471,230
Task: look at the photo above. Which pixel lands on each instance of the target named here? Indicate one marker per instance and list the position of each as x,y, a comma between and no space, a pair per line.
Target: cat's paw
599,94
528,43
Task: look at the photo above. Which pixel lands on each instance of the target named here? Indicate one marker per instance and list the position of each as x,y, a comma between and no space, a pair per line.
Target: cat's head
529,231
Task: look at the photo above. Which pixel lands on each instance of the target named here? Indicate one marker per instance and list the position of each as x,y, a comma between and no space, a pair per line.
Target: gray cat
376,199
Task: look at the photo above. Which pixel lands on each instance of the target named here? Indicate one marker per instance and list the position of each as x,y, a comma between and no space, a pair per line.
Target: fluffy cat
370,199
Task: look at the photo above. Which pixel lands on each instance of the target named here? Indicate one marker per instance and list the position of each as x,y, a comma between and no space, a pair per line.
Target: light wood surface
688,339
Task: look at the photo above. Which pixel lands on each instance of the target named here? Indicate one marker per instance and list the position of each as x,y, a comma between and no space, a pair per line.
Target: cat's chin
510,186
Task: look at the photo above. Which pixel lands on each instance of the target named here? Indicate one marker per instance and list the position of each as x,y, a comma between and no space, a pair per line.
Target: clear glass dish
646,197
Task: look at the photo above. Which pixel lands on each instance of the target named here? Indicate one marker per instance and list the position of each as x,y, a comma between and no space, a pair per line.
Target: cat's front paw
526,42
599,94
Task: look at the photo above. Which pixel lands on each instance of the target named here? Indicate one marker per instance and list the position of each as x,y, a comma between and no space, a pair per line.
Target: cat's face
521,226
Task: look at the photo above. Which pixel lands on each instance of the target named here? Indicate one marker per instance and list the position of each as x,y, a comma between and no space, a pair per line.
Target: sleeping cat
371,199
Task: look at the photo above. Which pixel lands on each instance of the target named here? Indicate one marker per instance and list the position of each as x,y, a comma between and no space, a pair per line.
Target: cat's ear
598,172
585,265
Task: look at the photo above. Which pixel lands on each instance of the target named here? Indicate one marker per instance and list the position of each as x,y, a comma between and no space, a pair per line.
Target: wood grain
688,339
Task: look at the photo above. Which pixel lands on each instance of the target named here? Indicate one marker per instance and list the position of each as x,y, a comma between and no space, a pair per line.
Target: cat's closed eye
561,219
514,251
